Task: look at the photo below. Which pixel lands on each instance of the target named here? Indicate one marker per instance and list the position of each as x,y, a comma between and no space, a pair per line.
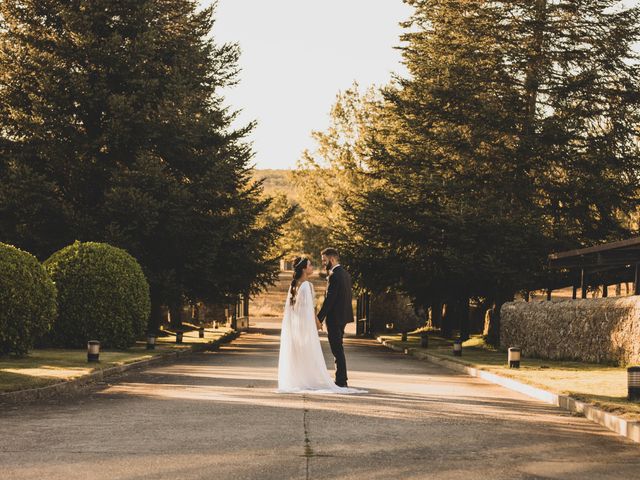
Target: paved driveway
216,416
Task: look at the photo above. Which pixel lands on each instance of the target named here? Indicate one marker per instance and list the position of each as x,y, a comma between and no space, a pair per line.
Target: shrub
27,300
102,295
391,307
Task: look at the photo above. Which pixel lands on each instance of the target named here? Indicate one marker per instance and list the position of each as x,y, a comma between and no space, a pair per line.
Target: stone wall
601,330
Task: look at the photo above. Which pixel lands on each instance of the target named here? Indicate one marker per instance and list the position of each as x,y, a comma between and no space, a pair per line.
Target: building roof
612,255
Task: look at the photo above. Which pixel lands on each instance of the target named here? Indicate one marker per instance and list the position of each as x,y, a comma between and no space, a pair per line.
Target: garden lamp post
513,357
424,340
457,348
151,341
93,351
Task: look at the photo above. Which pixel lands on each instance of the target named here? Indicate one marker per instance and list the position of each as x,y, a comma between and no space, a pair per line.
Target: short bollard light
178,337
93,351
201,332
633,383
514,357
457,348
424,340
406,351
151,341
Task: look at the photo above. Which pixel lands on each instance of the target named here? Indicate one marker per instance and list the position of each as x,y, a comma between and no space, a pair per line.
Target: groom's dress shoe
344,385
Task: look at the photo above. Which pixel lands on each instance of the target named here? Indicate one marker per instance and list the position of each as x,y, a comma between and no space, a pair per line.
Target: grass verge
42,367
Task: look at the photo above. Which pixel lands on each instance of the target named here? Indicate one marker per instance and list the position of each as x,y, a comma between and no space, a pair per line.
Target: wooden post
605,291
636,280
365,309
575,292
583,283
234,315
245,305
359,316
548,295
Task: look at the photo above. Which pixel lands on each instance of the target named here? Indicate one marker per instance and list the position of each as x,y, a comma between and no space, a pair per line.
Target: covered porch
599,266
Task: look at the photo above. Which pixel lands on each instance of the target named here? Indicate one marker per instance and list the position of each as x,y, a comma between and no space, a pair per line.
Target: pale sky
296,56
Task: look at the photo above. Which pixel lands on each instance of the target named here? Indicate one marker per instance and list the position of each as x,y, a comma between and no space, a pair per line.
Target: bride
301,366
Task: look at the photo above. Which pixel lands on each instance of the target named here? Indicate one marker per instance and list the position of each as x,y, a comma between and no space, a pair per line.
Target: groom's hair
330,252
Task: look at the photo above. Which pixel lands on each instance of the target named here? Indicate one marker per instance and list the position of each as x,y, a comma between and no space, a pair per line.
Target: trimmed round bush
102,295
27,300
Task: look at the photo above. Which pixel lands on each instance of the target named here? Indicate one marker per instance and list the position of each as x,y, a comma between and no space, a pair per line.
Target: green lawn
48,366
602,385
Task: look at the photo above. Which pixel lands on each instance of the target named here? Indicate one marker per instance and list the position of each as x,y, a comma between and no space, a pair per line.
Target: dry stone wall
601,330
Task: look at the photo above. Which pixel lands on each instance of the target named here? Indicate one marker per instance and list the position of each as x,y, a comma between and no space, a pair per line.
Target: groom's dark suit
338,311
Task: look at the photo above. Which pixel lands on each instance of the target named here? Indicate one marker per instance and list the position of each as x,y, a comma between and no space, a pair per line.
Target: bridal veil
301,364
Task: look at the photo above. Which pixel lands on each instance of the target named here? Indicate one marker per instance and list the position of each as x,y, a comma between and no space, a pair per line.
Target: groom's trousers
335,333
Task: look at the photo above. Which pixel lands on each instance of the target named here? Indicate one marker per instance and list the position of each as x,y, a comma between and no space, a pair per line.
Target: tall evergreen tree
112,110
514,135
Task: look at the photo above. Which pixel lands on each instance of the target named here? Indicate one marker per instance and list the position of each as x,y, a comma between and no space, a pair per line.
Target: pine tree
514,135
114,109
450,194
330,174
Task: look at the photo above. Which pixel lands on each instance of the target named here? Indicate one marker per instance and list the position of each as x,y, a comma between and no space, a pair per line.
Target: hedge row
86,291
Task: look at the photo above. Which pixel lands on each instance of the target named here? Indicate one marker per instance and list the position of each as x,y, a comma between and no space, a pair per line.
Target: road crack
308,452
308,449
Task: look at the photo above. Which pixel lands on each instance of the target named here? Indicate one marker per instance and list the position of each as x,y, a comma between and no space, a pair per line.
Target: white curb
626,428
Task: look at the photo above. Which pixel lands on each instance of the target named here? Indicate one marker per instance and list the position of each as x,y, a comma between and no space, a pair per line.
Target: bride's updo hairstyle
299,265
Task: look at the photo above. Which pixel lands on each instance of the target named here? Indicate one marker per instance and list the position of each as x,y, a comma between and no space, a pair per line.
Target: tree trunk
463,314
532,81
436,314
532,90
155,318
493,337
175,310
447,320
487,316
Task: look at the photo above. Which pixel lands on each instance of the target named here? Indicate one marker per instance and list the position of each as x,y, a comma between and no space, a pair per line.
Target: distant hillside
277,181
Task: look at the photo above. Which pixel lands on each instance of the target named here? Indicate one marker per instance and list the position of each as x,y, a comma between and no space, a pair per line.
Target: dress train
301,363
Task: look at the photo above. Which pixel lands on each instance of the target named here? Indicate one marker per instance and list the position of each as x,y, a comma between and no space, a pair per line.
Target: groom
337,309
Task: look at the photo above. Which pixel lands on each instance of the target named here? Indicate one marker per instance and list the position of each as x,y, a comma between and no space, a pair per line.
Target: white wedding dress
301,365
